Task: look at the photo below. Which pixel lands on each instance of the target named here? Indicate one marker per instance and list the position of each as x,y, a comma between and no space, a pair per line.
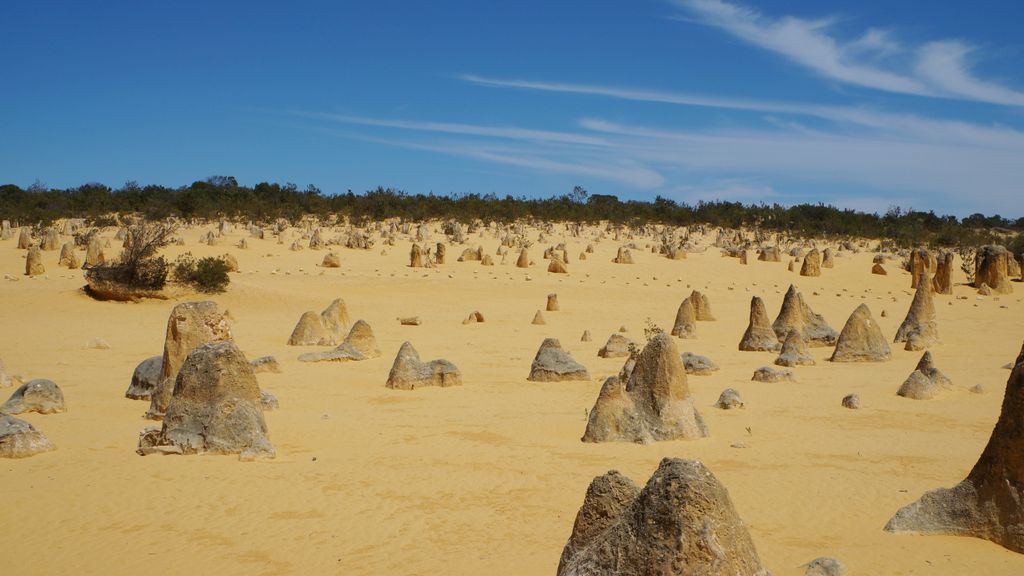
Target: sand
485,478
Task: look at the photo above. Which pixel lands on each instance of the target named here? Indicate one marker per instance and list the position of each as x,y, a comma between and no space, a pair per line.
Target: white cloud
875,60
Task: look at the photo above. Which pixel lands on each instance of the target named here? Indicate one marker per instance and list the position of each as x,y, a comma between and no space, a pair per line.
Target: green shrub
205,275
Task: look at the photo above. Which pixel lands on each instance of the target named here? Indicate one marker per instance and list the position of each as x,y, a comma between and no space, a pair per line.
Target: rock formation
310,331
851,401
416,256
335,320
652,404
24,238
94,255
189,325
920,329
729,399
475,317
921,262
67,258
926,381
812,264
769,374
795,314
698,365
942,283
878,269
992,269
769,254
685,325
701,307
265,364
39,395
827,259
331,260
586,336
552,303
987,503
557,266
538,319
524,259
623,256
34,262
795,351
553,364
145,378
861,339
682,523
19,439
409,373
617,346
439,253
759,335
216,407
360,344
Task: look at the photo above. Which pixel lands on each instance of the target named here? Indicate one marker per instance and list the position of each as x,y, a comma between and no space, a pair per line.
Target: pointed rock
652,404
360,344
617,346
795,314
942,283
759,335
190,324
409,373
335,320
310,331
701,307
524,259
861,339
795,351
920,328
553,364
685,325
987,503
682,523
538,319
623,256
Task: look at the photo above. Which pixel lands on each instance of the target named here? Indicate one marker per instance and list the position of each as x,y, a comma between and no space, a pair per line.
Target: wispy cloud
874,60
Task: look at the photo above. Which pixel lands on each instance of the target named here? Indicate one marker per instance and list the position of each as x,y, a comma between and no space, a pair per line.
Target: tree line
222,197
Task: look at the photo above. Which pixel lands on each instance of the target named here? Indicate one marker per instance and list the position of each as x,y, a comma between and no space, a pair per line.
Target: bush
139,268
205,275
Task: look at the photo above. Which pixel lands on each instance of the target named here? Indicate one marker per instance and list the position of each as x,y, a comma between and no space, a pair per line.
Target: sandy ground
485,478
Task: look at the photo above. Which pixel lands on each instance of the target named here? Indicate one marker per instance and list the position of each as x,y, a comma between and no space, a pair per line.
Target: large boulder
145,378
682,523
216,407
861,339
409,372
650,403
39,395
19,439
992,267
359,344
987,504
553,364
190,324
759,335
795,314
920,329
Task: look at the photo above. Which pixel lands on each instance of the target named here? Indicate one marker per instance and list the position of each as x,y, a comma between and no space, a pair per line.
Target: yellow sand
484,479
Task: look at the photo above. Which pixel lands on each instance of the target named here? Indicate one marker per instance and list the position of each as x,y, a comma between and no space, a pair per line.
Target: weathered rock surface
216,407
685,325
145,378
617,346
698,365
19,439
861,339
553,364
795,314
759,335
408,372
39,395
795,351
360,344
920,329
652,404
682,523
729,399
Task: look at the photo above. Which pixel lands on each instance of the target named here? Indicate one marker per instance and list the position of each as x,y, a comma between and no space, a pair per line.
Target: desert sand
486,477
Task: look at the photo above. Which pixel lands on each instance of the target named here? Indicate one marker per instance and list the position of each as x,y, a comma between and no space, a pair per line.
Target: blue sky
860,104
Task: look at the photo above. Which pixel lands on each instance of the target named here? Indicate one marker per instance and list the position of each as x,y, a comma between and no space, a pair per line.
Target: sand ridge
487,477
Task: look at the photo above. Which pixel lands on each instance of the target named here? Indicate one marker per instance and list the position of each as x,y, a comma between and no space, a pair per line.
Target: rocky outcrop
685,325
795,314
987,503
39,395
651,403
812,264
617,346
795,351
145,378
19,439
920,329
359,344
408,372
992,265
216,407
759,335
553,364
682,523
861,339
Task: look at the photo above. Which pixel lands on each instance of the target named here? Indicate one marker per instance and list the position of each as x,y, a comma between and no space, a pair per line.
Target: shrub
205,275
138,268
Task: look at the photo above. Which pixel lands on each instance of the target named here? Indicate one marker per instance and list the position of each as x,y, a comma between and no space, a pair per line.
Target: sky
864,105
